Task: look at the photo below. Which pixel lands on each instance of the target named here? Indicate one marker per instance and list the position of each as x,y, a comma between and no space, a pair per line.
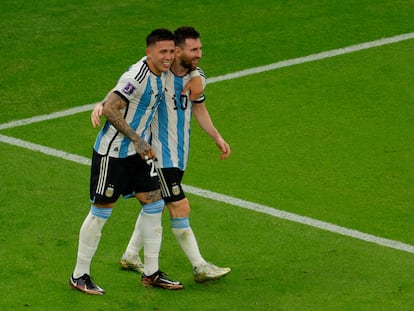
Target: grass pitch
330,139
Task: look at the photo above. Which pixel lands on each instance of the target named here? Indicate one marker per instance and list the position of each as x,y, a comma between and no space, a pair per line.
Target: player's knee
179,208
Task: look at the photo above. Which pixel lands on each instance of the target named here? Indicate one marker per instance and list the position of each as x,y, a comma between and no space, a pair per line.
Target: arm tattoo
149,197
112,112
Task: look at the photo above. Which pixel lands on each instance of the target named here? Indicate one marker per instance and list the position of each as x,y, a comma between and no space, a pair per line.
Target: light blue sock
154,207
185,236
151,230
101,212
180,222
89,237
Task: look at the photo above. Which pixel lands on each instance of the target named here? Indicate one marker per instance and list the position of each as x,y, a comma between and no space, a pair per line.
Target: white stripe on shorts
103,171
165,192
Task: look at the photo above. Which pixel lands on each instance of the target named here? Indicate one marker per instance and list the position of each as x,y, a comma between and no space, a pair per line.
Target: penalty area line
231,200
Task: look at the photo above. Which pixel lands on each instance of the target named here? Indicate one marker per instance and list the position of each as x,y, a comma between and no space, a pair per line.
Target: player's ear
177,50
148,53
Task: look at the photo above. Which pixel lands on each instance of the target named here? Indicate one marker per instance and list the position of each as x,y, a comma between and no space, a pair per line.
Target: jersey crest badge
176,190
109,192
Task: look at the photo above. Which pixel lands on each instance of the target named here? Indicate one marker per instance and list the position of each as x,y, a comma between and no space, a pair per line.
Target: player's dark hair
185,32
160,34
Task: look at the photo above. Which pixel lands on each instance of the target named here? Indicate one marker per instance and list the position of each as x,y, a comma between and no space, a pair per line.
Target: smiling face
160,56
189,53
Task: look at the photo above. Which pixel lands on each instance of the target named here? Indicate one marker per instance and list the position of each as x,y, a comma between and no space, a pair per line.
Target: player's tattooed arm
112,111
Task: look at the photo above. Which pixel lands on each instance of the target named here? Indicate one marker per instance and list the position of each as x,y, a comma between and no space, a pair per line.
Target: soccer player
170,131
122,163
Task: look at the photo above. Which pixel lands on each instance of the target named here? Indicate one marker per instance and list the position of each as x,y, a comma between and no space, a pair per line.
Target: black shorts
113,177
170,181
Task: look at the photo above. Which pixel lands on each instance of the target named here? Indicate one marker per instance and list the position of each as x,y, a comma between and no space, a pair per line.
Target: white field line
43,149
54,115
299,219
231,200
217,196
314,57
237,74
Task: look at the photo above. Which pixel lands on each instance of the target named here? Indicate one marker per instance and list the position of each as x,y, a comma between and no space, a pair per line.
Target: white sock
186,238
136,241
89,237
152,235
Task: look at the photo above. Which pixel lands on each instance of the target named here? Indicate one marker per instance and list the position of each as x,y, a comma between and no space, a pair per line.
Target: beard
187,64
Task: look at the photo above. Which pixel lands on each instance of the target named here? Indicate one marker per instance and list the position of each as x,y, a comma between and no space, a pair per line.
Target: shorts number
153,172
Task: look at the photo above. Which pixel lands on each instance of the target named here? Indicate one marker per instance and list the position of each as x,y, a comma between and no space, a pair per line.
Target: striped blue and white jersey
170,128
143,91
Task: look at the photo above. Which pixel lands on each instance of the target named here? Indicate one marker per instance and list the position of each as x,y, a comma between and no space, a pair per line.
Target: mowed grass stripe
231,200
217,196
235,75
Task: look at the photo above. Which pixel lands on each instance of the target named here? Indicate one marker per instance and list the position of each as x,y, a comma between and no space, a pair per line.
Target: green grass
276,264
325,134
330,139
60,54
